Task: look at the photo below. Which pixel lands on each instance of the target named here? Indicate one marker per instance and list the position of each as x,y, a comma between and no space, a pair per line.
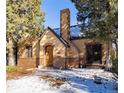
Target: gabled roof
75,33
65,43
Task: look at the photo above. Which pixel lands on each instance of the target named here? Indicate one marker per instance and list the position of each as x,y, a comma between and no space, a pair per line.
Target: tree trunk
108,61
116,45
11,56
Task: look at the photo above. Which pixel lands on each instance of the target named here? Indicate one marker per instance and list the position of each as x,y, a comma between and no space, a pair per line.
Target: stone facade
64,56
80,46
66,53
58,49
29,62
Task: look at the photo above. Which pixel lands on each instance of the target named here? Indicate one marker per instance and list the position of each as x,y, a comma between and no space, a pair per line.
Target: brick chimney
65,24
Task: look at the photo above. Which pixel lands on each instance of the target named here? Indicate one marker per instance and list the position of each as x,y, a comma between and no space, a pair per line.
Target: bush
114,60
115,66
11,68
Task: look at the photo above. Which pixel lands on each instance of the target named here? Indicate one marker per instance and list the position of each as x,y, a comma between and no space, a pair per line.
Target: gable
48,33
49,37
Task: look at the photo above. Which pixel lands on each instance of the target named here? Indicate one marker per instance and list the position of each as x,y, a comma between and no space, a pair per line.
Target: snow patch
77,81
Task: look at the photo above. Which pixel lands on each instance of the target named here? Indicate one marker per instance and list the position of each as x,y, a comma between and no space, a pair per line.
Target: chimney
65,24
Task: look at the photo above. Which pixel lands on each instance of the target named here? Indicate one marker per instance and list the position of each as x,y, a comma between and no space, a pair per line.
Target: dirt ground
18,73
56,82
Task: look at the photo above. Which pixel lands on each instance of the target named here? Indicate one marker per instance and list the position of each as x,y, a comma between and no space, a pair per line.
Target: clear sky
52,12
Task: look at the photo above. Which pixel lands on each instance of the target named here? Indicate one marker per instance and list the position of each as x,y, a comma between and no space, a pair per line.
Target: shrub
11,68
114,60
115,66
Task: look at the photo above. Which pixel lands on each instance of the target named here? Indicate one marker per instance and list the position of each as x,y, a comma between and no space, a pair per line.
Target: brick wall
27,63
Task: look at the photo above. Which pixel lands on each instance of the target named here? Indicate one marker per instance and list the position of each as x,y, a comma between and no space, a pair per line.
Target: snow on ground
77,81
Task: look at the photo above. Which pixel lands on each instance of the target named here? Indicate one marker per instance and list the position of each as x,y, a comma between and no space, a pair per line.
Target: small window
29,51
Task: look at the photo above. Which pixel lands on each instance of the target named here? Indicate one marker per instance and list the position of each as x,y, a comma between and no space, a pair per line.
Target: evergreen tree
23,17
101,19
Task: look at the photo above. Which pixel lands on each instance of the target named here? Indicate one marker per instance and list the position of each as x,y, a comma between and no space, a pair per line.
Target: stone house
63,48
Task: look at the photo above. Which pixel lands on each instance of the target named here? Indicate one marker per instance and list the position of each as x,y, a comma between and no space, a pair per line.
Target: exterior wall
22,50
63,57
80,44
72,56
76,53
58,50
28,62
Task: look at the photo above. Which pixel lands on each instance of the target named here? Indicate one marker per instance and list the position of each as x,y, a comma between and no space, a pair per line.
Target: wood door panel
49,55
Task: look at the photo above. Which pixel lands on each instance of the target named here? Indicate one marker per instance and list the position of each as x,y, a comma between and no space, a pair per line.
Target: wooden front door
94,53
49,56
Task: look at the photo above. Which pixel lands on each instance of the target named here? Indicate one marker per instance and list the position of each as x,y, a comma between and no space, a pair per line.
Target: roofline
60,38
70,26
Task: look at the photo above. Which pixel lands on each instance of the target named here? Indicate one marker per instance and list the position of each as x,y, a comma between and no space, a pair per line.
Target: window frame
29,51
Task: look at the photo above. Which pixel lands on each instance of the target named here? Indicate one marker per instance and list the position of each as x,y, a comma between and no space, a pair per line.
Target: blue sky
52,12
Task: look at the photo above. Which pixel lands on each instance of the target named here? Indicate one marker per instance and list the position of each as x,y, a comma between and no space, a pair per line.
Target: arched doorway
49,56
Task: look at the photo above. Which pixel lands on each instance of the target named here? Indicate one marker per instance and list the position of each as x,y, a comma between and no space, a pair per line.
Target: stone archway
49,56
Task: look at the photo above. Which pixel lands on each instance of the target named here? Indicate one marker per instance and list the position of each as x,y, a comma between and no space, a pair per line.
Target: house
63,48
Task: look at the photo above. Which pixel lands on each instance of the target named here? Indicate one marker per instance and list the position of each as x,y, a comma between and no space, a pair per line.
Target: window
29,51
94,53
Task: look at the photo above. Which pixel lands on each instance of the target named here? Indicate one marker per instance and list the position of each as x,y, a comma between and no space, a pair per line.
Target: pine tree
102,16
23,17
